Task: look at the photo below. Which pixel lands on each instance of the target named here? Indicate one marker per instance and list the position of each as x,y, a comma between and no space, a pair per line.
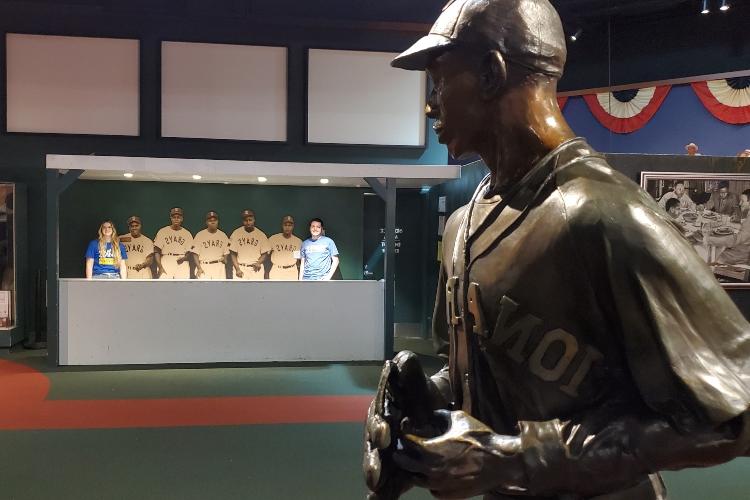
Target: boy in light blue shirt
318,255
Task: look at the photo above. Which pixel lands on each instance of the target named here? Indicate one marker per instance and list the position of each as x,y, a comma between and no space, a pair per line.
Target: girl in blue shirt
106,256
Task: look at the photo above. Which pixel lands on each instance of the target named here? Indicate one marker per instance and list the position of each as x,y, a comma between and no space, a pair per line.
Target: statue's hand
384,480
402,394
460,463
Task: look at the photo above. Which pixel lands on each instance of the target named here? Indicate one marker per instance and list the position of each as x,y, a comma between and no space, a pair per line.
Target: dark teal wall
411,206
85,204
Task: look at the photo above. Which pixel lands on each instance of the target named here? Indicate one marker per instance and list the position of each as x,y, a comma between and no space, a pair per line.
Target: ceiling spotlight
128,175
324,181
724,5
197,177
705,9
262,179
575,36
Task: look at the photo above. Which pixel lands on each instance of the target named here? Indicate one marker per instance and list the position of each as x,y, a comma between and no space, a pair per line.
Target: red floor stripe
23,406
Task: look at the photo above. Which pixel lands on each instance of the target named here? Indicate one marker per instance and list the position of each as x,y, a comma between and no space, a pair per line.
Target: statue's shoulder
590,182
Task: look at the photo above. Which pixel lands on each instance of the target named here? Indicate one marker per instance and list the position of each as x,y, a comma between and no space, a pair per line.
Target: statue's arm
555,457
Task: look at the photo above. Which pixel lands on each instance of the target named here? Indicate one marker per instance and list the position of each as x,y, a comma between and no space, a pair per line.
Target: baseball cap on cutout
134,218
211,214
176,210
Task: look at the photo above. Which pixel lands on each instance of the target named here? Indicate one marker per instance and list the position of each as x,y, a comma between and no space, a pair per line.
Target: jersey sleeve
227,245
123,252
159,240
233,246
149,247
265,244
685,341
188,240
92,250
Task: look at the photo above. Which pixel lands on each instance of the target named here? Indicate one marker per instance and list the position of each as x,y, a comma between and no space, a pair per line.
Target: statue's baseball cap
526,32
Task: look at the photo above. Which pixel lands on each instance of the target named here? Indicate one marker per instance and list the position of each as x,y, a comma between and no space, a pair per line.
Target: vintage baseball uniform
210,248
248,246
138,250
284,257
174,245
573,312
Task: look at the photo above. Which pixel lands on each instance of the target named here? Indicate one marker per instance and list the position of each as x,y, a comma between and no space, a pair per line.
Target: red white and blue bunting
727,99
561,101
626,111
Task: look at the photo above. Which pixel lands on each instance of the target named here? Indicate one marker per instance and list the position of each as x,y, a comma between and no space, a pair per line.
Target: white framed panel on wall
356,97
72,85
220,91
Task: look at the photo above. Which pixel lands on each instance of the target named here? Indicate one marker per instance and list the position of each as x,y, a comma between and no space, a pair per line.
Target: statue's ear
493,73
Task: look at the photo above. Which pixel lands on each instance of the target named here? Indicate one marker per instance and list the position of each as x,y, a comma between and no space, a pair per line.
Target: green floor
311,461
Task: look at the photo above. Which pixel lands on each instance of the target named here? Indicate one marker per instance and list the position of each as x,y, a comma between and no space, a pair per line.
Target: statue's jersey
578,300
138,251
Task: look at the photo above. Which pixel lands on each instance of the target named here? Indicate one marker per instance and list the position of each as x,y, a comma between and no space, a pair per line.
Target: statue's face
455,101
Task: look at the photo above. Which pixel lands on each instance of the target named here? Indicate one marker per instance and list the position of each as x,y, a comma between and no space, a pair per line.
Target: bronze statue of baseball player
587,346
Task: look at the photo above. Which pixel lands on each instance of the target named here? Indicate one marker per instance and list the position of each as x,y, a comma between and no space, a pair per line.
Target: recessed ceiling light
128,175
197,177
724,5
262,179
324,181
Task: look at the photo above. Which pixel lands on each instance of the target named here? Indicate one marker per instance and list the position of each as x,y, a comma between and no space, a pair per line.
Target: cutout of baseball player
209,250
140,250
171,245
249,248
285,252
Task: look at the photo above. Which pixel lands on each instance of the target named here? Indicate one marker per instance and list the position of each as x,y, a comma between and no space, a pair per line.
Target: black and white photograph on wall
712,211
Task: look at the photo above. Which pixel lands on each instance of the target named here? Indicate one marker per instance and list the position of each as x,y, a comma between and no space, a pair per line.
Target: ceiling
326,11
